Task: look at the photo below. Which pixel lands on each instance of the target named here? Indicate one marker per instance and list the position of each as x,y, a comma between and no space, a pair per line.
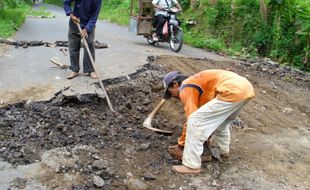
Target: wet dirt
30,93
85,146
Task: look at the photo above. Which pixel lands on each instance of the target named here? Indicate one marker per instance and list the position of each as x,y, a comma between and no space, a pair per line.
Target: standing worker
86,13
161,14
211,99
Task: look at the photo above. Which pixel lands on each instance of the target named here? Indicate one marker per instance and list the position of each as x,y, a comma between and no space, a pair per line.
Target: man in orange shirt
211,99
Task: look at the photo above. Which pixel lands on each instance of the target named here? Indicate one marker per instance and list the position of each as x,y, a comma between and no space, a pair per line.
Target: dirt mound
29,130
86,146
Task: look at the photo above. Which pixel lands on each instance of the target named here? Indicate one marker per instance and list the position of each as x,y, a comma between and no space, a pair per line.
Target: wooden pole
93,64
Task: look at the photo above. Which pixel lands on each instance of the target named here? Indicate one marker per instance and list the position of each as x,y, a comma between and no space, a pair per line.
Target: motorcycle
174,35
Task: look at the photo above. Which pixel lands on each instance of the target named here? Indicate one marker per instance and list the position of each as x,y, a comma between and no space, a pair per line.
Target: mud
83,145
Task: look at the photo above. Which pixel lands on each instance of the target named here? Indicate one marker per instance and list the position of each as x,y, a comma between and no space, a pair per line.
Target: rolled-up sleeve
92,22
67,7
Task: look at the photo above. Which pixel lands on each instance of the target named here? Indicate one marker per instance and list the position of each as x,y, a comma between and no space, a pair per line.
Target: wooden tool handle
161,103
63,66
95,70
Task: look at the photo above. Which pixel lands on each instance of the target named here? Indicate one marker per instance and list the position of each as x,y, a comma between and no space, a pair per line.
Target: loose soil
74,141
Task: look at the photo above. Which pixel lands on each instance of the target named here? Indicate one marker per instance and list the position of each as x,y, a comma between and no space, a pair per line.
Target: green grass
55,2
42,12
11,19
116,11
118,15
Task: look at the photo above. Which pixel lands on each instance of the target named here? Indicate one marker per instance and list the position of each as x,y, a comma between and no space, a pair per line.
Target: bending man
211,100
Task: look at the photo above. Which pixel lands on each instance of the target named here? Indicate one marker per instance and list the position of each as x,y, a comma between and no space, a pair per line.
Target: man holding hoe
211,99
85,13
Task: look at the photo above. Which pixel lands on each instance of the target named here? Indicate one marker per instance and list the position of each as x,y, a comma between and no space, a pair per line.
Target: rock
100,164
287,110
172,186
129,174
86,111
98,181
144,146
104,130
95,156
128,105
135,184
117,146
214,184
264,92
17,154
148,176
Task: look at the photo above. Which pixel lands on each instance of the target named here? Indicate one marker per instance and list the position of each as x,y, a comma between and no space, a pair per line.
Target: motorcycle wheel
176,40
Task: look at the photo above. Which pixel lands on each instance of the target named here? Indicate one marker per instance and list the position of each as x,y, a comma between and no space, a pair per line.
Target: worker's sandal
185,170
93,75
224,156
72,75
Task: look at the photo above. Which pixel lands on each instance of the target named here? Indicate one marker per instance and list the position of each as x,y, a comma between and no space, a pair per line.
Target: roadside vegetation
41,12
277,29
13,14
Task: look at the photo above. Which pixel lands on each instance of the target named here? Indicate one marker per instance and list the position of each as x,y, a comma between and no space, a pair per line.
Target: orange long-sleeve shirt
221,84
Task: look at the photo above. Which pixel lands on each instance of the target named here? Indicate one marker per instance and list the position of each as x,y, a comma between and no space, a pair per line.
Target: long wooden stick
93,64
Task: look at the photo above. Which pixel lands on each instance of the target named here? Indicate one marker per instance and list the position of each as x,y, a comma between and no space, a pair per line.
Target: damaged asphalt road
67,136
70,140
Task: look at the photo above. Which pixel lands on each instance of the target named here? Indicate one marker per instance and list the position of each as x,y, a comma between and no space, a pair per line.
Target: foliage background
281,32
12,15
278,29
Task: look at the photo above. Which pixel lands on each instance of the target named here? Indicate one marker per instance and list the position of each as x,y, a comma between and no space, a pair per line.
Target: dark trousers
74,41
159,23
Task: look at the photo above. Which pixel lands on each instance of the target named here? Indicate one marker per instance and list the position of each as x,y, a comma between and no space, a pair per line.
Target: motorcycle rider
161,14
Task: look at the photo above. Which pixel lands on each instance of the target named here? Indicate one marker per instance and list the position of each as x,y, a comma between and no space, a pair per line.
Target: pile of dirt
86,146
28,131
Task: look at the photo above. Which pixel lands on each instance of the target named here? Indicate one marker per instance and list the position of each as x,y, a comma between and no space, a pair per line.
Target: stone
100,164
148,176
287,110
98,181
144,146
172,186
129,175
117,146
214,184
135,184
96,157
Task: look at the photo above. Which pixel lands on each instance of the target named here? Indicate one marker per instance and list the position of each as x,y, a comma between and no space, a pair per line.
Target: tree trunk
263,9
193,4
1,5
213,2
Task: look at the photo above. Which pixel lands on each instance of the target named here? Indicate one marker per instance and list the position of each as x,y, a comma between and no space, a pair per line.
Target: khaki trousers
215,116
